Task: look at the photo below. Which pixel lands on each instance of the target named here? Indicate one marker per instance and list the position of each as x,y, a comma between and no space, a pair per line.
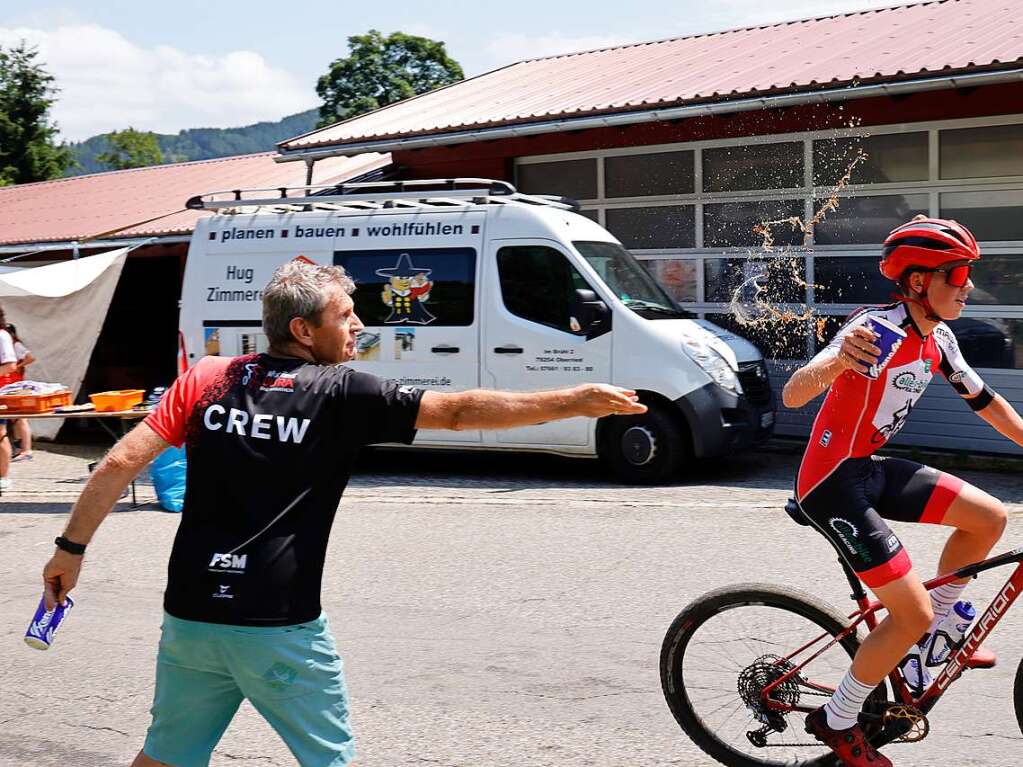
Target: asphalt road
485,619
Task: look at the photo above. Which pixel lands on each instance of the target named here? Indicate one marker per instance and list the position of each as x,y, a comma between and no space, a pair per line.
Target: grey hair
299,289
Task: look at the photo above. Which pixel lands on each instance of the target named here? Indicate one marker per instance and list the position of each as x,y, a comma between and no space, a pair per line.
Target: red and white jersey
861,414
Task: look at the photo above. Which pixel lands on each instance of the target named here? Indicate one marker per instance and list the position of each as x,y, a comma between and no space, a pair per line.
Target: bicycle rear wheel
726,646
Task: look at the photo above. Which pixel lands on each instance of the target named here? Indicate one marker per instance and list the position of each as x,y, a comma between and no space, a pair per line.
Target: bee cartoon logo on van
406,291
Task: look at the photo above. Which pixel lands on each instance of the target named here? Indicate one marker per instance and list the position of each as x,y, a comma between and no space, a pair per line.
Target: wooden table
123,417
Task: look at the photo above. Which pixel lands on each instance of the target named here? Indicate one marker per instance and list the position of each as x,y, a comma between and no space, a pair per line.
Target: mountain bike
741,667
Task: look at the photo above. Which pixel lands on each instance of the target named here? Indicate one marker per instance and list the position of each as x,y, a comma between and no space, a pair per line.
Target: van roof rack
372,195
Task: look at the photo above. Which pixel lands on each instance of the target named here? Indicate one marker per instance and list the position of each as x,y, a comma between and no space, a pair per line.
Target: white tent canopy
59,311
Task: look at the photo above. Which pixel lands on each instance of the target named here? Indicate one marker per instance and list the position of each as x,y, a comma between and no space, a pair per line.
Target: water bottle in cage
950,632
914,668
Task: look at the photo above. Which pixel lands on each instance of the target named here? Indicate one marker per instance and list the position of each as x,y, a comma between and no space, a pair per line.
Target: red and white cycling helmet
926,244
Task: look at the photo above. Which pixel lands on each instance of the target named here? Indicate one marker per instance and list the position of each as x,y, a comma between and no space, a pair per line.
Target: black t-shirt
270,444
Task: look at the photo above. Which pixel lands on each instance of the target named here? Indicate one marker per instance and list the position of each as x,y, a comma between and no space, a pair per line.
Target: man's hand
858,351
599,400
60,576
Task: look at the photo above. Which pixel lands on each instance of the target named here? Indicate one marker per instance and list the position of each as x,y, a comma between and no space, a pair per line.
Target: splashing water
755,300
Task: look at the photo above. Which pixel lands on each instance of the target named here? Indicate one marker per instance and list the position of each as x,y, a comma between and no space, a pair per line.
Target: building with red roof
681,147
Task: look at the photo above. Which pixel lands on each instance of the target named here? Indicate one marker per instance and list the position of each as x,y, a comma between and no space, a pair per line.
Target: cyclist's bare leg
144,761
909,616
980,520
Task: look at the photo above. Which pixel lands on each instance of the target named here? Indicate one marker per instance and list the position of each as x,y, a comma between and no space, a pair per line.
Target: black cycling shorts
851,505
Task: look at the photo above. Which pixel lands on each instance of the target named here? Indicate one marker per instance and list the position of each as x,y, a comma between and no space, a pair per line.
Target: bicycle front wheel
727,646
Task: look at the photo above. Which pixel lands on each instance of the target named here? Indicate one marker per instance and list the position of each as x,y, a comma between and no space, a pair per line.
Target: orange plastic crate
122,399
33,403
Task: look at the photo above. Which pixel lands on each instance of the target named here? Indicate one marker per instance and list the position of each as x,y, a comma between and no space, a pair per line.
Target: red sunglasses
955,276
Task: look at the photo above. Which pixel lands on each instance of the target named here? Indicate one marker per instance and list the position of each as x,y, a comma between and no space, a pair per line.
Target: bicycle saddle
793,510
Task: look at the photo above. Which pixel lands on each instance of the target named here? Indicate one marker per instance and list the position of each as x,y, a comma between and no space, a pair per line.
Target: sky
165,67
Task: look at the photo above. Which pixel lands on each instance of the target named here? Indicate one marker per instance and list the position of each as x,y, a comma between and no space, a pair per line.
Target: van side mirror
589,315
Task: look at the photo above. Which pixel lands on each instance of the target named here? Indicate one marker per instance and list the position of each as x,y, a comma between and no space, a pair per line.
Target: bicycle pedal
909,721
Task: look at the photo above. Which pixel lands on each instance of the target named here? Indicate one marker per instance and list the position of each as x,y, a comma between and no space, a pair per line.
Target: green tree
28,147
130,148
381,70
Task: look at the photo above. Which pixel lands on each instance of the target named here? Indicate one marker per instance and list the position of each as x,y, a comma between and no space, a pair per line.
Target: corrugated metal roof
869,46
82,206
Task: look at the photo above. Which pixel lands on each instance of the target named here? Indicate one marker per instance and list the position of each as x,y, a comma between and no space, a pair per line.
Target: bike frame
867,614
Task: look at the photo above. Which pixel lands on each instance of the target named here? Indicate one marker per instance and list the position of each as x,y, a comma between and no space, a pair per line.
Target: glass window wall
647,175
665,226
890,157
759,166
989,215
867,220
568,178
735,224
981,152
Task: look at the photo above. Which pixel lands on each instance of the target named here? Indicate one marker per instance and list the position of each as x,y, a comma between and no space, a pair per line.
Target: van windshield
633,284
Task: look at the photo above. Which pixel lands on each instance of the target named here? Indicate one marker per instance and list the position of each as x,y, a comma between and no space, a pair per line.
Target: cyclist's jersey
270,444
860,414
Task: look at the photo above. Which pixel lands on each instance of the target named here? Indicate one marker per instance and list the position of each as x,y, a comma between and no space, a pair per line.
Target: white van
466,283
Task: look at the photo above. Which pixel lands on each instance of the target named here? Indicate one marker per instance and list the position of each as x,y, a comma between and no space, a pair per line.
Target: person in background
8,369
22,429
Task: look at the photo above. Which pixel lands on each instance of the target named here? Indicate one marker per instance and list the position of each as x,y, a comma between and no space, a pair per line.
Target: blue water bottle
950,632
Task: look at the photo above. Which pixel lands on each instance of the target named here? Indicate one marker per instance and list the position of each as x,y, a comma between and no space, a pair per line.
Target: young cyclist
847,492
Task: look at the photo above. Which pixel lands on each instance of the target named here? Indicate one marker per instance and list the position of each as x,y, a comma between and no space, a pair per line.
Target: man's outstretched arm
490,409
120,466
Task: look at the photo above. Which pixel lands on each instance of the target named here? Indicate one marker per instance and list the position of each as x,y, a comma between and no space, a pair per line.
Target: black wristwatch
69,546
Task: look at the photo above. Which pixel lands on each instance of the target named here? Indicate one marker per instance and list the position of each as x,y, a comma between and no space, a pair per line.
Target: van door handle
444,349
508,350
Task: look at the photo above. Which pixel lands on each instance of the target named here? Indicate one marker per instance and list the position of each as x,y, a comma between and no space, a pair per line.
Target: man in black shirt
271,440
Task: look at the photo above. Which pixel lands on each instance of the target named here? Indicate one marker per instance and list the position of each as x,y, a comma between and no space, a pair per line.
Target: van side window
409,287
538,284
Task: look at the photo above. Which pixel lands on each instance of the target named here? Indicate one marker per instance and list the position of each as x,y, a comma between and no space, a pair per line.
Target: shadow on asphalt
64,507
459,469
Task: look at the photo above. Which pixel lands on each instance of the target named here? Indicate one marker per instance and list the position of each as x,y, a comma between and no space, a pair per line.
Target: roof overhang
32,248
617,119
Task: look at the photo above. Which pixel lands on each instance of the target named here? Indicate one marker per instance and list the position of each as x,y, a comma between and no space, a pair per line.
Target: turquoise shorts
292,675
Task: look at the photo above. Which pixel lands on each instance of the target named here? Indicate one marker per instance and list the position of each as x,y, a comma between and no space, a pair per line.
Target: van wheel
643,449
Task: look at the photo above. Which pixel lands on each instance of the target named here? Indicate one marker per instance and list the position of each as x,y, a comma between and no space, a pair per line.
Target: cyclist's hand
60,576
858,351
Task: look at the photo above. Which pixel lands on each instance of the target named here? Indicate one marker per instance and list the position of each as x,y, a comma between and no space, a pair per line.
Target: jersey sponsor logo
251,369
892,543
278,382
826,438
948,336
909,382
848,534
231,563
223,592
893,427
255,425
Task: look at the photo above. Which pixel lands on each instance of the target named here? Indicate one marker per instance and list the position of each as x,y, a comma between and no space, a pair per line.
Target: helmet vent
917,242
954,233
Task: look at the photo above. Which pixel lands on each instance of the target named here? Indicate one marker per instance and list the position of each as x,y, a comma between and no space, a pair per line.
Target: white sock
845,705
943,597
942,600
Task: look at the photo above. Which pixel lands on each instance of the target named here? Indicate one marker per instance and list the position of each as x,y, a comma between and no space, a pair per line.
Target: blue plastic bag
168,473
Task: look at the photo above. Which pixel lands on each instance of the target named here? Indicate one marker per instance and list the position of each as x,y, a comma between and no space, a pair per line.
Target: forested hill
204,143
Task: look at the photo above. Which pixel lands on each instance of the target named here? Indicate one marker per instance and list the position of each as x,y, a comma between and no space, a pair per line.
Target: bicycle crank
909,721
